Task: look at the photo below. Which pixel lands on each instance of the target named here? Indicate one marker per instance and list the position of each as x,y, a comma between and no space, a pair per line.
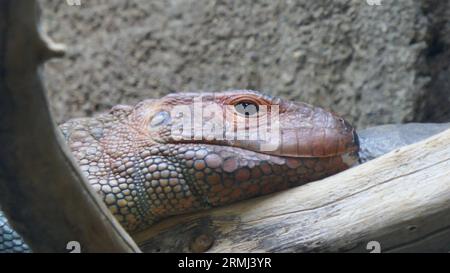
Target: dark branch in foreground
41,190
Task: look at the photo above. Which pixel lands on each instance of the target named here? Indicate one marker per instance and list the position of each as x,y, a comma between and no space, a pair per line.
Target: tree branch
401,200
41,190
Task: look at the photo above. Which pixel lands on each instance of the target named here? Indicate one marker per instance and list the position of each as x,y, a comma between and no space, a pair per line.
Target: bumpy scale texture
133,157
10,241
130,158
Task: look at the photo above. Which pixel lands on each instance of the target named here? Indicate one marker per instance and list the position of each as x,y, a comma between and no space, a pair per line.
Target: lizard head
191,151
247,120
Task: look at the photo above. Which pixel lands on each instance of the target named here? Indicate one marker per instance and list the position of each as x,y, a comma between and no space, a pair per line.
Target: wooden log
399,202
42,192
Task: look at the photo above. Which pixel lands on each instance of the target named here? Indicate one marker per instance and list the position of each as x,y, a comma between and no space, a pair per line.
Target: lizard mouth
303,143
314,142
322,143
342,146
298,143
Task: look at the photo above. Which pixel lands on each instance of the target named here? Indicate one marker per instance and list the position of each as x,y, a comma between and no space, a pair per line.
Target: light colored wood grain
401,200
42,191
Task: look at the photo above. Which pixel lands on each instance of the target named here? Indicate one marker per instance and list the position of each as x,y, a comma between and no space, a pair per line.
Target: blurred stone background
372,64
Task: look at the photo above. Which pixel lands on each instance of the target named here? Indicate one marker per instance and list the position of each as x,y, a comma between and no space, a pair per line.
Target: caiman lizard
144,171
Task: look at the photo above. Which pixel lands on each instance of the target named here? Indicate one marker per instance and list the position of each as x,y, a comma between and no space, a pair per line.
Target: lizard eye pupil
246,108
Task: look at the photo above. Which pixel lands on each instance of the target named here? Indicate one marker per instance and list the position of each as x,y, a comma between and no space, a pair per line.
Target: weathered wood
41,190
401,200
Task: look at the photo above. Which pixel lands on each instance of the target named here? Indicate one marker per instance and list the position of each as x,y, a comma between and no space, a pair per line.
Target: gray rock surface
379,140
368,63
435,104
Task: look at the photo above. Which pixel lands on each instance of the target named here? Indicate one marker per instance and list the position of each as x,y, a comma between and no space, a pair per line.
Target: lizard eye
246,108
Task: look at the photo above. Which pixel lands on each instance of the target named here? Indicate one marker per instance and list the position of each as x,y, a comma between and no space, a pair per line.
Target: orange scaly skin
144,173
